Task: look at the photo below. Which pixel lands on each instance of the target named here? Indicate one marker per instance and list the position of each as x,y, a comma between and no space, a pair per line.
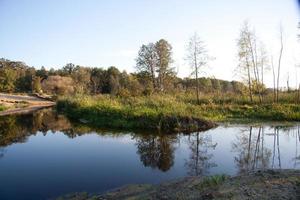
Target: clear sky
106,33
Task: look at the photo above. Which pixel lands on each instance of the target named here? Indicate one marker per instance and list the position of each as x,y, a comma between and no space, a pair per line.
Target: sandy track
33,103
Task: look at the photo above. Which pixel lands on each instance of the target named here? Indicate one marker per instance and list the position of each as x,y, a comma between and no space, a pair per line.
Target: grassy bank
166,112
162,113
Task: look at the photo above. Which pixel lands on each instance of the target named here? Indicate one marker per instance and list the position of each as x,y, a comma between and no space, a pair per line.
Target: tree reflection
251,149
199,161
276,149
156,151
297,154
2,151
17,128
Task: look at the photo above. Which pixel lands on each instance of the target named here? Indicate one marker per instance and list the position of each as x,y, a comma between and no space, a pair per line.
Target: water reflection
250,149
199,161
76,157
253,152
16,129
156,151
296,159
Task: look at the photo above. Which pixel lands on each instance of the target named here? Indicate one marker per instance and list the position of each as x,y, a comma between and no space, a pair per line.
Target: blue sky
109,33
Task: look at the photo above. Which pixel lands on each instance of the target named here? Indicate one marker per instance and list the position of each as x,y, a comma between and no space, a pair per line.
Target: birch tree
197,58
279,61
253,61
244,55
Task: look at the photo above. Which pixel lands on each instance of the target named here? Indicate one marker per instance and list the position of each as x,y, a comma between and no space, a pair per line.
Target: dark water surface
43,155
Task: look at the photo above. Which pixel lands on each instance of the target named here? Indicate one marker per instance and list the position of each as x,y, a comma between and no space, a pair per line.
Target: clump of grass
2,107
212,181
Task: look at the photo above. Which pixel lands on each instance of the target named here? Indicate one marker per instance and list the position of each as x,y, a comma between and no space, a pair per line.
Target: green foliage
2,108
212,181
168,111
36,85
7,80
156,112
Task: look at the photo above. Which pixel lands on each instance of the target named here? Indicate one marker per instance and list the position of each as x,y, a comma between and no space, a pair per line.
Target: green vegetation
170,112
2,107
212,181
165,113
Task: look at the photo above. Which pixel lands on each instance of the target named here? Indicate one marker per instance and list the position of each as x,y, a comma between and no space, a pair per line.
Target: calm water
44,155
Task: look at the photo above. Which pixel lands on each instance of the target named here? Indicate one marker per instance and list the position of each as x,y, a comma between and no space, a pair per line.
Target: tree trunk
262,79
274,81
196,71
255,69
299,94
279,64
153,77
249,82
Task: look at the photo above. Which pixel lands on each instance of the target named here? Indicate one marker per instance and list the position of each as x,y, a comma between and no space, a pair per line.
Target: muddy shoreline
268,184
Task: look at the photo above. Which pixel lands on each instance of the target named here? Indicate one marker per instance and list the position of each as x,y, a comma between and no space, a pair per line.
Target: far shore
22,104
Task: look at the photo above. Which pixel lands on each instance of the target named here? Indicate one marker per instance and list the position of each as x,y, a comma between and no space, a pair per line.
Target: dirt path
18,98
19,104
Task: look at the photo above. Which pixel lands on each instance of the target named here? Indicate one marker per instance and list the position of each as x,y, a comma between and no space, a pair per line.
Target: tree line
71,79
154,72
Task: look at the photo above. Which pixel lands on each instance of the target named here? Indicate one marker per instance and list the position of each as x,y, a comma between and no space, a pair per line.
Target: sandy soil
18,104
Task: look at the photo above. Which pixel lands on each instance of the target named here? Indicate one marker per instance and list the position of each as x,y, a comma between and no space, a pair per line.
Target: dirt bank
284,184
20,104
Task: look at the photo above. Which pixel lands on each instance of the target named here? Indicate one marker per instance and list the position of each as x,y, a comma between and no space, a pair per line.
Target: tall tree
245,57
7,80
97,79
279,61
69,68
197,58
264,66
252,60
274,79
147,61
164,53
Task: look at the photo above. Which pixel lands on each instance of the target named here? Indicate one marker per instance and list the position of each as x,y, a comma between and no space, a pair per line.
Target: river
44,155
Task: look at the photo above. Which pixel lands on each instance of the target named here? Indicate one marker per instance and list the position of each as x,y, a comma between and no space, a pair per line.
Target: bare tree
288,82
252,48
244,55
253,61
279,62
197,58
274,79
264,67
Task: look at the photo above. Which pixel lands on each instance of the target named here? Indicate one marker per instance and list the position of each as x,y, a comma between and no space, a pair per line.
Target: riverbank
168,113
269,184
155,113
22,104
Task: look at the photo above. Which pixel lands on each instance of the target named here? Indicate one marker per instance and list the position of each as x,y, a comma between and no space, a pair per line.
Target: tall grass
155,112
171,112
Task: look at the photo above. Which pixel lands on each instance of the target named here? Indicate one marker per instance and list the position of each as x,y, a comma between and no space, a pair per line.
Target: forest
17,77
